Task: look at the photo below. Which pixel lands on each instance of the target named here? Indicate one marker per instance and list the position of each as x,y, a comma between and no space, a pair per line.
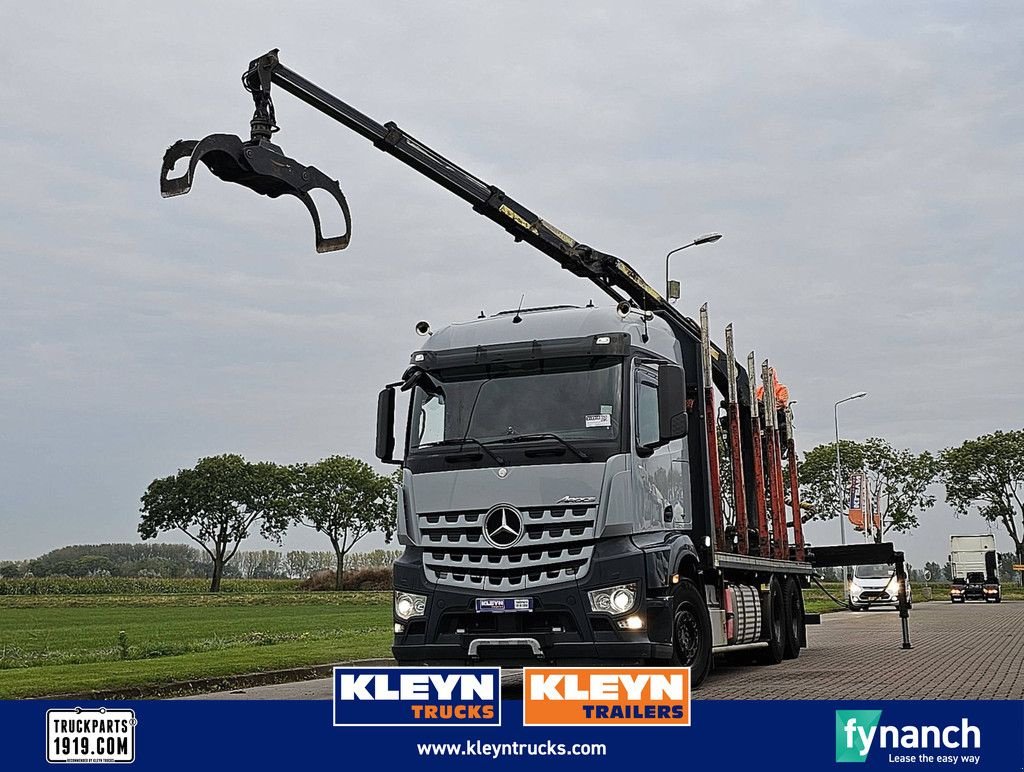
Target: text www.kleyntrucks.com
500,750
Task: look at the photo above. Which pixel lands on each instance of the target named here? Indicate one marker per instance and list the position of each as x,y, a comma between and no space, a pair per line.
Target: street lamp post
707,238
839,482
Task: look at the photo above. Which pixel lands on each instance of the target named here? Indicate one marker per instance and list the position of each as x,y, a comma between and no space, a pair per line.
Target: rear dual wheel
793,605
774,626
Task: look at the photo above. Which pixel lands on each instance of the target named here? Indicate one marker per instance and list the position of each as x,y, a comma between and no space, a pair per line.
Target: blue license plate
503,605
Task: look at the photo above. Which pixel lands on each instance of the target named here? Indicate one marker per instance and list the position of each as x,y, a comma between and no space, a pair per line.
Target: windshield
975,577
577,398
877,571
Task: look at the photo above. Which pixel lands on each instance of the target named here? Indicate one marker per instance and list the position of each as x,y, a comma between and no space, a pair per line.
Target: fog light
399,628
631,623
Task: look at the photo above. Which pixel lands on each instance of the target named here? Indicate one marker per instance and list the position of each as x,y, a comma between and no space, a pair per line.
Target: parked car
876,585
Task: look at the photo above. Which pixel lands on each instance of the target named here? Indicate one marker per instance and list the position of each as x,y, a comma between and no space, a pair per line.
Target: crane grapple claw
260,166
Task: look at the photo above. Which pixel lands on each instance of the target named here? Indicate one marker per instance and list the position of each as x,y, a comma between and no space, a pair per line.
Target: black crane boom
261,166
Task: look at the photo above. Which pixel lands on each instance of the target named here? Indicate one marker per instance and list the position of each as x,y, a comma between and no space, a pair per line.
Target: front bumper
869,597
972,592
561,627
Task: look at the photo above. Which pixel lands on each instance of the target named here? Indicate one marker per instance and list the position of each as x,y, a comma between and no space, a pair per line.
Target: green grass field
73,644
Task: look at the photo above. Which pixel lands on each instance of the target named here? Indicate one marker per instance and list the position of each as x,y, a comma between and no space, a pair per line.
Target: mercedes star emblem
503,526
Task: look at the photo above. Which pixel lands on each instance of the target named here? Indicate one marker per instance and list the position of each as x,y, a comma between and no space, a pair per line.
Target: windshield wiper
462,441
542,436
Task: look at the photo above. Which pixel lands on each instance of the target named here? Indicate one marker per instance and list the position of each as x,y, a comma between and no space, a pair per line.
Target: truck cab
543,506
973,562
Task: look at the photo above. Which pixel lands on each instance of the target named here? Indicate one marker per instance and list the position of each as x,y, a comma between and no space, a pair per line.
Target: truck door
661,477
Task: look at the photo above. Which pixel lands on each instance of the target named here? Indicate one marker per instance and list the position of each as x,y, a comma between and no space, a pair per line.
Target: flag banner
282,735
855,501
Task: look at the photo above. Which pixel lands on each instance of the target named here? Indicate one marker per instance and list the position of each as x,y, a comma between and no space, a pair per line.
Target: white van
876,585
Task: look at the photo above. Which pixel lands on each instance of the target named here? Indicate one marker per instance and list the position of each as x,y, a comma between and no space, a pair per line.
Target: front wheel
691,632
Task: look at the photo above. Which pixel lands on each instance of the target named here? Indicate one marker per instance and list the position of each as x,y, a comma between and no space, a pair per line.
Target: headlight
409,605
893,586
613,600
854,585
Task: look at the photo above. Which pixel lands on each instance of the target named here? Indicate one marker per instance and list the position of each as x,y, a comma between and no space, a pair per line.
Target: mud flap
260,166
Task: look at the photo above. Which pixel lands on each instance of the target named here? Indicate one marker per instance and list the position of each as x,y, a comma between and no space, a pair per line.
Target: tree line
180,561
984,475
223,499
934,572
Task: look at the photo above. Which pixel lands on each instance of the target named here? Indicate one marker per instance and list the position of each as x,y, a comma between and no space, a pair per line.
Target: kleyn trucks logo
859,731
570,696
417,696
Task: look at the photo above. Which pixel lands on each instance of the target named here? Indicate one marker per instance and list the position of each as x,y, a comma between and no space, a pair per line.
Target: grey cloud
863,161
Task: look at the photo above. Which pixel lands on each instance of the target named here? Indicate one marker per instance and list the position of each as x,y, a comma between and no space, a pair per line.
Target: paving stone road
969,651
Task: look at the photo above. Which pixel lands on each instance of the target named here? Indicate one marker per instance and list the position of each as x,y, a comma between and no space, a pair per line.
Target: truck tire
691,632
774,626
792,619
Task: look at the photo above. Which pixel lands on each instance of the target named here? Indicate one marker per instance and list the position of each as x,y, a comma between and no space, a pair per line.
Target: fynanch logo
855,729
858,731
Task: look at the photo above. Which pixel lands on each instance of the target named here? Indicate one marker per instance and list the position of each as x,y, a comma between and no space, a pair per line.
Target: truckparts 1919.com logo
89,735
578,696
859,731
417,696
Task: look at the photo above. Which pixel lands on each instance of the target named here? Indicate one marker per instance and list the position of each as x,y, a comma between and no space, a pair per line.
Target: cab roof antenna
518,317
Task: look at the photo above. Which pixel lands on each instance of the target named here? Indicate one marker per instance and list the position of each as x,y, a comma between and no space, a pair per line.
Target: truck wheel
792,619
774,625
691,632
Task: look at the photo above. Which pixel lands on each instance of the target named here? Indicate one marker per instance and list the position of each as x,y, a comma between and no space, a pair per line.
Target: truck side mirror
673,422
386,425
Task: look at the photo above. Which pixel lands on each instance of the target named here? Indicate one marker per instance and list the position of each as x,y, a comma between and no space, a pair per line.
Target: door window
647,427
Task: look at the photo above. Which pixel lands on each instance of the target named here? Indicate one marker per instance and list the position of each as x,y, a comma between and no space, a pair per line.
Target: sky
863,161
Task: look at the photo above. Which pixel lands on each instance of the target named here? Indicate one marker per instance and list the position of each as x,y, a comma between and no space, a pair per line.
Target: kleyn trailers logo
644,696
859,731
417,696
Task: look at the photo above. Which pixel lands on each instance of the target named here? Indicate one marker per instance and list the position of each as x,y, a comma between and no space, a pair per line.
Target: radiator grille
556,546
